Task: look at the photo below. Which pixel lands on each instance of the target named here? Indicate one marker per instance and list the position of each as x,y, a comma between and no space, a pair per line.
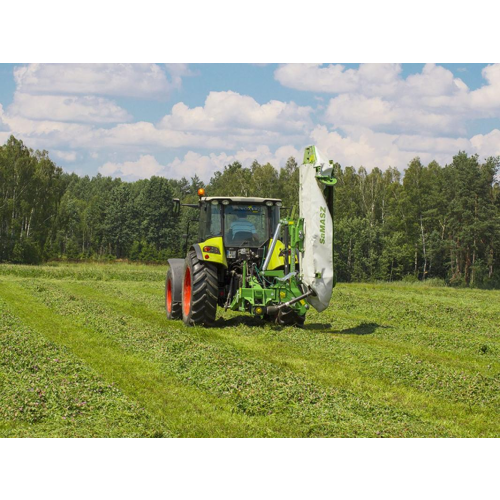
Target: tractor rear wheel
200,288
174,309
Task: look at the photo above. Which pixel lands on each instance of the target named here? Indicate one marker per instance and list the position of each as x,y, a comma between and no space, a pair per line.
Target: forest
428,222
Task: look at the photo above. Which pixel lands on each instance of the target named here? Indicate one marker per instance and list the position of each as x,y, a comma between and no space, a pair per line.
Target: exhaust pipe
271,249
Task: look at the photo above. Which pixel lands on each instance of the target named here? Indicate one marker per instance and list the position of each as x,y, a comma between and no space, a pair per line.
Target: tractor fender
197,249
177,268
216,260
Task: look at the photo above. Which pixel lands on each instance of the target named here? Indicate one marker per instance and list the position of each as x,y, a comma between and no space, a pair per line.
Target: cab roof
239,199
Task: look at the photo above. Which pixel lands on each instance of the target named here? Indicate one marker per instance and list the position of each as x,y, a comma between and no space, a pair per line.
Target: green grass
86,350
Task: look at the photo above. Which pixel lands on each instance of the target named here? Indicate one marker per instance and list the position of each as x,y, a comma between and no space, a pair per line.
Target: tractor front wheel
200,289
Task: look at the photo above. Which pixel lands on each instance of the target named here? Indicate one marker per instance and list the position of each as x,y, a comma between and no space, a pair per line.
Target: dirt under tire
200,289
173,309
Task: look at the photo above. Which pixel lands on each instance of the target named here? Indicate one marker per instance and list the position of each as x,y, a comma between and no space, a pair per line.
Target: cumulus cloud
146,166
487,144
488,96
149,81
228,120
3,125
433,101
434,80
139,136
90,109
64,155
364,147
194,163
375,79
373,117
232,111
348,110
205,165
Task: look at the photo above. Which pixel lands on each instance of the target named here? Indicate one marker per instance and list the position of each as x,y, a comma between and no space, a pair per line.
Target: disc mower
252,259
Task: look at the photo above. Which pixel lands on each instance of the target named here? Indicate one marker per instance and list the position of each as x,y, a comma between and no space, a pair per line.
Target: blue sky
135,121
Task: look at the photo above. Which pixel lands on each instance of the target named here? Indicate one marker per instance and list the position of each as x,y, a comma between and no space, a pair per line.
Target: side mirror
176,209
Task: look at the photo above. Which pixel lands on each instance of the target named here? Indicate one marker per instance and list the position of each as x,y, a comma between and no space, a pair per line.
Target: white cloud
432,146
433,81
375,79
146,166
177,71
238,113
228,121
311,77
67,108
196,164
488,144
193,163
355,109
358,151
364,147
4,128
348,110
64,155
371,79
148,81
375,117
46,134
138,136
431,102
205,166
488,97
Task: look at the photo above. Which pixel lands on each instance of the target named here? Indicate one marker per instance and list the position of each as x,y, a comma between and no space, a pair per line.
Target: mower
252,259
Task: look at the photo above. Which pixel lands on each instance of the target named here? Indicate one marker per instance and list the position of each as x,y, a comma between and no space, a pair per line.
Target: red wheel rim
169,296
186,292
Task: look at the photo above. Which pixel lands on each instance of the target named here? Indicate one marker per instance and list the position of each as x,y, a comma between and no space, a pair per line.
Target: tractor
252,259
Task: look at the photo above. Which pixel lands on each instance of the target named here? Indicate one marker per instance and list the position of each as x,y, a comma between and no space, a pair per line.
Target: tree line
431,221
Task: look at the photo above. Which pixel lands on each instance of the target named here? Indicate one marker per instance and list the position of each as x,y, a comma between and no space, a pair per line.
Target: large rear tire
200,288
174,309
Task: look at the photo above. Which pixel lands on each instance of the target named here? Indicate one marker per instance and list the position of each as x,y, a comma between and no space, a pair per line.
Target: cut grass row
178,409
369,375
46,391
336,367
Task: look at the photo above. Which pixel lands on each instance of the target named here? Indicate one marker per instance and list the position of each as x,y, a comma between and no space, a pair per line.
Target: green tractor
252,259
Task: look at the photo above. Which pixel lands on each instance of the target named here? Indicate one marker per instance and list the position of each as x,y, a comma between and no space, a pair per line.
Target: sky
176,120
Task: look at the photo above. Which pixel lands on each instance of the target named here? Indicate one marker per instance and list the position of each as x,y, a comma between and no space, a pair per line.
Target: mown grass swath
384,360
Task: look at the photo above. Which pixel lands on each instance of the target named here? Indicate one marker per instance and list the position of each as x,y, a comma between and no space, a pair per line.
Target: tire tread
204,291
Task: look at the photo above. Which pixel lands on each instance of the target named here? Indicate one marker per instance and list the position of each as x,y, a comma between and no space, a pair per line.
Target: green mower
251,259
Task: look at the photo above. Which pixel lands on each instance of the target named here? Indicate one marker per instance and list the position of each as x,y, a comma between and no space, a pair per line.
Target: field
86,350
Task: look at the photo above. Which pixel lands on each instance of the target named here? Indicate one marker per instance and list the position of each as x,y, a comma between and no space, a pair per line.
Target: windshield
246,225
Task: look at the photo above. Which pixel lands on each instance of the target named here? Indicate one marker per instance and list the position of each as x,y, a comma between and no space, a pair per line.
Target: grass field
86,350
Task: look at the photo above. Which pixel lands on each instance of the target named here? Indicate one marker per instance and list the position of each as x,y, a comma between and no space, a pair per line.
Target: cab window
246,225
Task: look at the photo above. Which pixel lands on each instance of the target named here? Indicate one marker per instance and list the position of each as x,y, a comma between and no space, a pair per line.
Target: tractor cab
238,222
